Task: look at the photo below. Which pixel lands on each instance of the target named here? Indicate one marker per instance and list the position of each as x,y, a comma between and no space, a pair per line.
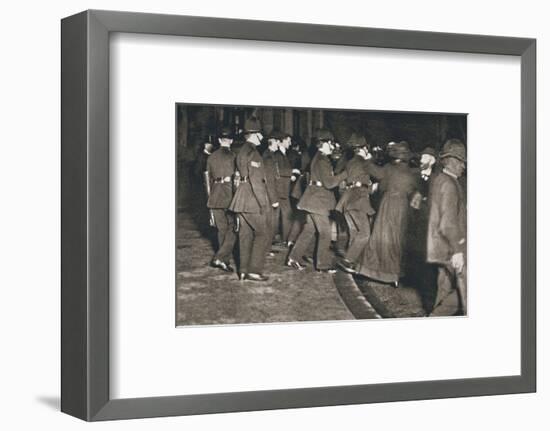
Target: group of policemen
306,200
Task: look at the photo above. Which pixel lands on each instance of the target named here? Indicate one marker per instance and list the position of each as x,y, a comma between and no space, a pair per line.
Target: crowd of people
398,217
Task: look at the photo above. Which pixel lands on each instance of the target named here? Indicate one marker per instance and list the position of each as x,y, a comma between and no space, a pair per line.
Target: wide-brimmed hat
454,148
252,125
400,150
357,141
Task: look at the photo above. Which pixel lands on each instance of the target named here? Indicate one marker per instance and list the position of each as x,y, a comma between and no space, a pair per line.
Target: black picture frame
85,214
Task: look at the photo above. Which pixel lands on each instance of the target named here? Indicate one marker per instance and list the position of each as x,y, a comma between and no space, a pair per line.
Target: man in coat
355,202
446,245
252,205
221,168
318,201
276,159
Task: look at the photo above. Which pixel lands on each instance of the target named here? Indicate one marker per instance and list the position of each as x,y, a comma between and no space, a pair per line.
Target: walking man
220,168
355,202
447,231
318,201
252,205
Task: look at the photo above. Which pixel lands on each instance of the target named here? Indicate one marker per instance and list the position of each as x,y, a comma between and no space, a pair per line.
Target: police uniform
355,203
252,204
221,168
318,201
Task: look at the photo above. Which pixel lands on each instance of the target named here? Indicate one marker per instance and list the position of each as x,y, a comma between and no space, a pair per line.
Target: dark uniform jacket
356,197
251,194
447,220
221,166
318,198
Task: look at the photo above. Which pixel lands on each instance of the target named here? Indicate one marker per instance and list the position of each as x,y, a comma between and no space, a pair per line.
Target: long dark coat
320,199
220,164
271,174
383,257
447,220
251,195
283,172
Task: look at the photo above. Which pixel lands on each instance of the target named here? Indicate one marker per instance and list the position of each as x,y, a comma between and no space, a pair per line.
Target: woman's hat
400,150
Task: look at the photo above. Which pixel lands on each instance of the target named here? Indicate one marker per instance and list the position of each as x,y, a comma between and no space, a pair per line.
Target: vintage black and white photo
289,214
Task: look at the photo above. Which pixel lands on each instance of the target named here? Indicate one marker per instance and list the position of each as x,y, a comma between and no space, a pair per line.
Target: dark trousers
254,241
449,299
359,234
282,217
298,221
225,224
320,225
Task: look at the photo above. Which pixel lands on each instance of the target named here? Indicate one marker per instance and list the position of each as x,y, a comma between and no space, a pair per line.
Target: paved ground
389,302
207,295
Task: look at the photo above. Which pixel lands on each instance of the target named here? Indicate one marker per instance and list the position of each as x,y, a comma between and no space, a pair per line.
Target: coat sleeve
378,172
269,165
449,222
327,176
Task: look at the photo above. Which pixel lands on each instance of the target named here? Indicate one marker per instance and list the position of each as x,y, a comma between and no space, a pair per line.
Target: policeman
355,202
318,201
220,167
252,204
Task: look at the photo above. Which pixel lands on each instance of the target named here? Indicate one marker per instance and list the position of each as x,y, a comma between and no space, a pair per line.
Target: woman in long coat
383,256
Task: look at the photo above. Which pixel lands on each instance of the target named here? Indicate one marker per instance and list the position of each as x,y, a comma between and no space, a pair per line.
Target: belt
247,179
221,180
315,183
356,184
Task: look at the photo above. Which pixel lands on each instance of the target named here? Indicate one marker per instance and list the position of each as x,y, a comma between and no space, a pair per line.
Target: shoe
242,276
217,263
347,266
328,271
289,244
395,284
307,259
255,277
295,264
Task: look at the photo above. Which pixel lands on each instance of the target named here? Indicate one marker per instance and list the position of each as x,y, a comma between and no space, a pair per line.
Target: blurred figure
447,231
318,201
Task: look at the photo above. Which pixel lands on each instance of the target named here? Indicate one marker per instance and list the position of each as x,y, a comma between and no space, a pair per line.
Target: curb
353,297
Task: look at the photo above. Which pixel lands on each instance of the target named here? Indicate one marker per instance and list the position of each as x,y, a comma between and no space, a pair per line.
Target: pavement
207,295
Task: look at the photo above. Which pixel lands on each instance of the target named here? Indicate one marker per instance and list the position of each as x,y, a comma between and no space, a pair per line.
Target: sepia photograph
291,214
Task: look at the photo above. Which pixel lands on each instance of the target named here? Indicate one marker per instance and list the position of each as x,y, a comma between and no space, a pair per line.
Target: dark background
197,124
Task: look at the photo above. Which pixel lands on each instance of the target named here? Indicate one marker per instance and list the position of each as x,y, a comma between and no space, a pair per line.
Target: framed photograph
265,215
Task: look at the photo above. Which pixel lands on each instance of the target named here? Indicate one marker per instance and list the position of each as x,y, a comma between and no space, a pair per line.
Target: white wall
29,216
